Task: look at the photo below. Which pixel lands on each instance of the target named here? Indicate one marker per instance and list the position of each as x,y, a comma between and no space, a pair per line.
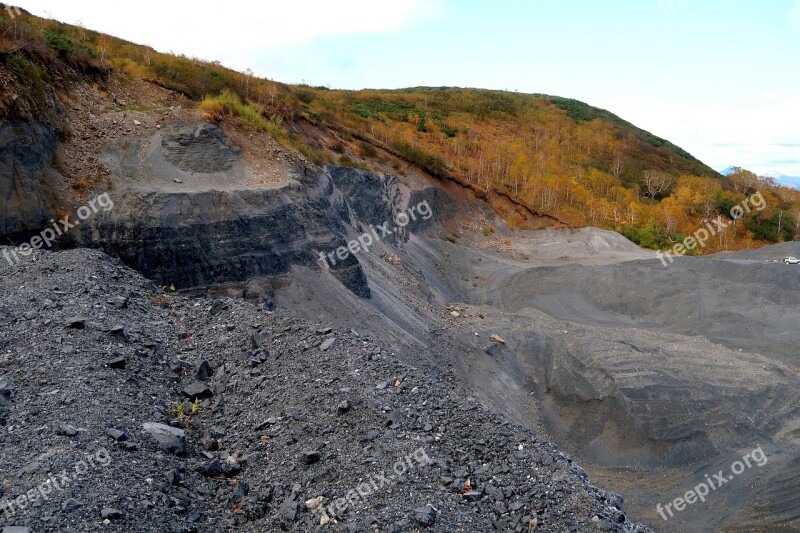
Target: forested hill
558,157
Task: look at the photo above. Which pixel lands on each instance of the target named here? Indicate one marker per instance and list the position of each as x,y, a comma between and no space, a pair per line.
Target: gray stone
171,440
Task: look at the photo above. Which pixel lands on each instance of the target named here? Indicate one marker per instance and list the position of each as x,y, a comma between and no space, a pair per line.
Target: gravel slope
288,415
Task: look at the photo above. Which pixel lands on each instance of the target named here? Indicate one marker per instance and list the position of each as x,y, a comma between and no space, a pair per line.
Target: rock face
198,147
190,152
376,199
198,239
28,182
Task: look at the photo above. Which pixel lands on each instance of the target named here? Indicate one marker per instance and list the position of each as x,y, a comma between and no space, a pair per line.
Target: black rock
217,468
76,323
204,371
289,508
425,516
197,390
117,362
120,302
174,477
71,505
120,331
117,434
343,407
311,457
110,513
6,392
240,491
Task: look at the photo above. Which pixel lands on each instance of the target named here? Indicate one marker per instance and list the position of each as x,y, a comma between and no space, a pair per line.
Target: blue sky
719,78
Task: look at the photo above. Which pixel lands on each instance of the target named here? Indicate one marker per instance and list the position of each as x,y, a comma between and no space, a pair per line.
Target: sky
720,78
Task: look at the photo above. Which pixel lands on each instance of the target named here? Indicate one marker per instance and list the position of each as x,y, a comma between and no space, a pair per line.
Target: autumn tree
656,182
742,180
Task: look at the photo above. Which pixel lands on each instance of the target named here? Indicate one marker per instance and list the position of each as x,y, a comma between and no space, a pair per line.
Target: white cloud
794,16
235,31
759,133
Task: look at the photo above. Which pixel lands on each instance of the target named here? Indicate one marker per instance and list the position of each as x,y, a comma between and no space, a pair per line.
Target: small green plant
450,132
488,230
59,42
449,238
179,414
196,405
422,127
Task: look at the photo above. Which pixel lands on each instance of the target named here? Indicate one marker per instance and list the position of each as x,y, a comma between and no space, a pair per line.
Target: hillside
539,160
258,296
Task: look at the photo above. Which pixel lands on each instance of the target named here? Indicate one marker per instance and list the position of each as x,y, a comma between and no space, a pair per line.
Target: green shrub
421,124
60,43
776,228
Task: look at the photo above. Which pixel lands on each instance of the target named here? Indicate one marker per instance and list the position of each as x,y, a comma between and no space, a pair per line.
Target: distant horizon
676,68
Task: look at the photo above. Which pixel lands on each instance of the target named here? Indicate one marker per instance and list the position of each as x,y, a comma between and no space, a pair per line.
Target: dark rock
6,392
204,371
219,468
117,434
311,457
174,477
66,430
117,362
240,491
76,323
120,302
120,331
197,390
343,407
109,513
290,508
71,505
425,516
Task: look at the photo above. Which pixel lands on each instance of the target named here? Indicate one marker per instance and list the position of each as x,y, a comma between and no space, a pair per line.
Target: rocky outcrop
28,183
203,238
